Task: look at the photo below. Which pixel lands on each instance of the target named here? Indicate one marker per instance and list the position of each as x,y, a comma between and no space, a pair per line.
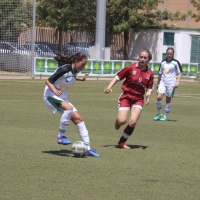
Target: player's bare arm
53,89
108,89
178,80
82,79
148,94
159,77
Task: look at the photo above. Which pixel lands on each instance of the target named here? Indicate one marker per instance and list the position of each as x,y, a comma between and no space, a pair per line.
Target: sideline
88,78
110,78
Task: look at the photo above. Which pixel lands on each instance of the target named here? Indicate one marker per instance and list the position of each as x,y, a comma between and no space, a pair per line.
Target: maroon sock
128,131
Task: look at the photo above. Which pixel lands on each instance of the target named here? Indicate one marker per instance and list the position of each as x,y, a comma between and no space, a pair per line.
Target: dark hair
170,48
62,60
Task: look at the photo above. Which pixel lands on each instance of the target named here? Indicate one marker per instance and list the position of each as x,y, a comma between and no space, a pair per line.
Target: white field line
188,95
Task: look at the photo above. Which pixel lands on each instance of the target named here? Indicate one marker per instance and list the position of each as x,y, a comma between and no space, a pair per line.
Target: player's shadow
169,120
136,146
62,152
172,120
131,146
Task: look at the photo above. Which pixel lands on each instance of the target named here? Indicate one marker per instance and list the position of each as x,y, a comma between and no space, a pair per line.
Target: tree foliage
16,16
196,15
123,15
67,15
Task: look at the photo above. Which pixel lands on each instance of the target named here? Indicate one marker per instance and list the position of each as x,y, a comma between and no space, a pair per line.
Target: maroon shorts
127,101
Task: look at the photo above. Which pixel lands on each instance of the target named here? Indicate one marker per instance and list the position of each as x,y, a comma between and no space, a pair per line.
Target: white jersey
168,70
62,78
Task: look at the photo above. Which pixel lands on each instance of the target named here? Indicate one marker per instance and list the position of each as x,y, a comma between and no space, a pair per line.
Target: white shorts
55,108
167,90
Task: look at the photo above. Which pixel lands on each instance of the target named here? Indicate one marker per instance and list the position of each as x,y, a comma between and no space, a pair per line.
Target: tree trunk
126,42
60,40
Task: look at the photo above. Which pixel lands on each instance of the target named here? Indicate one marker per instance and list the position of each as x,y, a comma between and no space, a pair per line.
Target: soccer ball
79,149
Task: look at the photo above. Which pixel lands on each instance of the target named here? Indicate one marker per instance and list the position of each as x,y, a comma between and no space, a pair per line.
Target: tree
126,15
66,15
196,4
16,17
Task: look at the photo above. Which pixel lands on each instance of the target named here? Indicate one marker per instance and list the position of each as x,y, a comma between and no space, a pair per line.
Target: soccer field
163,162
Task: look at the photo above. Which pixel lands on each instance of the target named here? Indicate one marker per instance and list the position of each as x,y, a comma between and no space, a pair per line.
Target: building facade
185,39
185,42
181,6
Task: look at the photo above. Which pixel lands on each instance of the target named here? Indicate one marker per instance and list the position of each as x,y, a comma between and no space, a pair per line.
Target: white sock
64,122
159,106
83,133
167,109
60,134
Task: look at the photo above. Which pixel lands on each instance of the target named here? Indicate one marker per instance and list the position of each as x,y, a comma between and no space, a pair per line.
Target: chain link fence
16,17
21,41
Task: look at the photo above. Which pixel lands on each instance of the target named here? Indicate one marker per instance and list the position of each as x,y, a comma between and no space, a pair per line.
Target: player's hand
58,92
176,84
147,100
107,90
157,86
84,78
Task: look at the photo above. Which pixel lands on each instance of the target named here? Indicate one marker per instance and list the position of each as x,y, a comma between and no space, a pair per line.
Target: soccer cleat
92,152
117,126
164,118
63,140
123,146
157,117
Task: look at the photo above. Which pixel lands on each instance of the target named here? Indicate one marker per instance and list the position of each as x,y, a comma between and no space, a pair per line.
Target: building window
168,39
195,50
164,56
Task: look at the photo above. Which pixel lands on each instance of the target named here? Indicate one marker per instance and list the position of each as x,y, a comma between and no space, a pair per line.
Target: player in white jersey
167,83
55,97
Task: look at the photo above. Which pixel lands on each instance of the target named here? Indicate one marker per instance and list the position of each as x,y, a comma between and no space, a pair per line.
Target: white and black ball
79,149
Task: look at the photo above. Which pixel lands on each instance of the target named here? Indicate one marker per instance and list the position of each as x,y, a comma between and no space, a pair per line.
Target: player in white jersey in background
167,83
55,97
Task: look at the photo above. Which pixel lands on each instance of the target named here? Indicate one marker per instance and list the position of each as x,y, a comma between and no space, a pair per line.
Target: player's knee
132,123
159,98
122,121
66,106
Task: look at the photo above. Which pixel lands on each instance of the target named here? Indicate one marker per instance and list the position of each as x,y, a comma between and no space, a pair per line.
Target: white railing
101,68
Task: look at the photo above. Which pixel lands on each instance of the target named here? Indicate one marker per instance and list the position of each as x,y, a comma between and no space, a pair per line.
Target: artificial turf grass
162,164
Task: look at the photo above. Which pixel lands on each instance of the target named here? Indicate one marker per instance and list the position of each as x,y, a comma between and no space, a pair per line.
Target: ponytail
62,60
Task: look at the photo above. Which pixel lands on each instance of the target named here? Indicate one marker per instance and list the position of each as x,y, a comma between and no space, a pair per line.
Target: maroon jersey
136,81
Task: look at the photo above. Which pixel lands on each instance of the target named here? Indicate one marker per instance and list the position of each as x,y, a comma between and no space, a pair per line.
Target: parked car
12,47
66,49
121,50
40,49
71,49
82,45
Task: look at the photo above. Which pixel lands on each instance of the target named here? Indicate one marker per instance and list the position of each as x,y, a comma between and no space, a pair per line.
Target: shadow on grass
169,120
62,152
131,146
172,120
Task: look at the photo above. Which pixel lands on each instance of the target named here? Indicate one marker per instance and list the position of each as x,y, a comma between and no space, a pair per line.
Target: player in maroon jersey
138,81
